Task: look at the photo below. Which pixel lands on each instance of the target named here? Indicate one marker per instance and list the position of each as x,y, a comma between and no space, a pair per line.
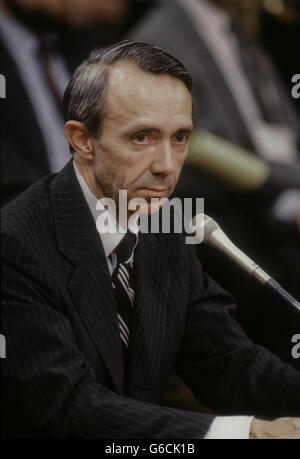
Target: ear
79,137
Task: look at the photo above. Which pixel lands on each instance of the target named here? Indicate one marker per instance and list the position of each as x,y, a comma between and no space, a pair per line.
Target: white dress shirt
223,426
110,240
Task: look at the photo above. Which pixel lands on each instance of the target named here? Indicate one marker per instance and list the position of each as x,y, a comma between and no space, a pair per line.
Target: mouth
156,192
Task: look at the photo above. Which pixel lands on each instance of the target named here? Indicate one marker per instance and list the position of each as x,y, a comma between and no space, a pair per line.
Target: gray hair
84,97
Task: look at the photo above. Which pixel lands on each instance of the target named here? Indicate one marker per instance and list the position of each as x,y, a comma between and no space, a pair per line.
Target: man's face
144,134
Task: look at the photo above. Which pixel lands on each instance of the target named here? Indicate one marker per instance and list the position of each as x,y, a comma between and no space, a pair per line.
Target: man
80,363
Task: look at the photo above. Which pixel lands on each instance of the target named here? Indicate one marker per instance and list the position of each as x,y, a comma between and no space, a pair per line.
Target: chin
153,208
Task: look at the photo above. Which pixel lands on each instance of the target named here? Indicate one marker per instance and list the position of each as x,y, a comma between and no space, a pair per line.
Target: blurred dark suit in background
280,32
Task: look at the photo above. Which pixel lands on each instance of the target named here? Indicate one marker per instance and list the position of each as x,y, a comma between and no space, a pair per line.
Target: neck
99,193
87,173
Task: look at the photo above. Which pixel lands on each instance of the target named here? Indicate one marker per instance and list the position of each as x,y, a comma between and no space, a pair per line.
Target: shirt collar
110,240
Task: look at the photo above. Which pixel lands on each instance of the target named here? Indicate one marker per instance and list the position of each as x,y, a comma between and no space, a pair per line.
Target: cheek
106,174
134,169
179,166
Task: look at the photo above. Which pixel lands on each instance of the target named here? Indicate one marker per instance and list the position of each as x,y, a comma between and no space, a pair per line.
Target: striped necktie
123,284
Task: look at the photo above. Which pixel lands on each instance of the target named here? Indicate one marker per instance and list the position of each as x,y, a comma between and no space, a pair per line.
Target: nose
163,162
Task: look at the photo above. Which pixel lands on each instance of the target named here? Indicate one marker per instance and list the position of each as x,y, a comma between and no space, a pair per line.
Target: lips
156,192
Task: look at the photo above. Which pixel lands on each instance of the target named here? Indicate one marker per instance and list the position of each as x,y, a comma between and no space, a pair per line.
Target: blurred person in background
239,96
280,32
41,42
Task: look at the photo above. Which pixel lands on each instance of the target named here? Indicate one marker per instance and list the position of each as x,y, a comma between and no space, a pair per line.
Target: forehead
133,93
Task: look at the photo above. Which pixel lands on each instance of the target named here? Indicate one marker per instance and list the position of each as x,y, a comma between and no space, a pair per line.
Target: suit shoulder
29,212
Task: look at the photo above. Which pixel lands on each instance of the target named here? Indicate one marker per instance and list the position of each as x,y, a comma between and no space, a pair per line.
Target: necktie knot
125,249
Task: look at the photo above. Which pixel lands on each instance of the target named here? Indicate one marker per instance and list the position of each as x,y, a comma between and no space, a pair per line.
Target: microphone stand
214,236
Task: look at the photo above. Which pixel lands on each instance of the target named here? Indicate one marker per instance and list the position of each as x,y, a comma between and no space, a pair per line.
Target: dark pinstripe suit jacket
63,375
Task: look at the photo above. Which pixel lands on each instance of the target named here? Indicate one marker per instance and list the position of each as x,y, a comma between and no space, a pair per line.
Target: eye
141,138
181,137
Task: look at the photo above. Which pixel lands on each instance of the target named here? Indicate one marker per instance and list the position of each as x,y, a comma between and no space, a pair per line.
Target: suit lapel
150,315
90,284
90,288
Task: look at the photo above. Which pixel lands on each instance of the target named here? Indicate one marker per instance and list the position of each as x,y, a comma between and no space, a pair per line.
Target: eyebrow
147,128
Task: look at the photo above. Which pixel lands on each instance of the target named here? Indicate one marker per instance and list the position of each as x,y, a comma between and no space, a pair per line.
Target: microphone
213,235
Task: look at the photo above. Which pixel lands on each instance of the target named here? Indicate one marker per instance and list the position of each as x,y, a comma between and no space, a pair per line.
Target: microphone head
204,225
